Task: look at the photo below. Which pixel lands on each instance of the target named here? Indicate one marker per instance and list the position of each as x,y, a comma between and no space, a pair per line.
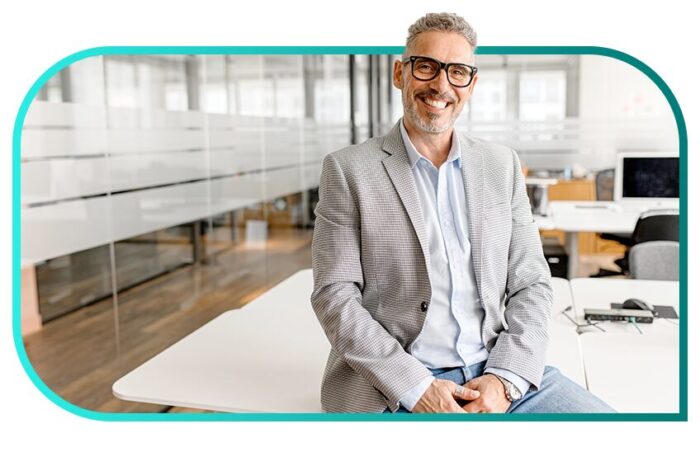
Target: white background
35,35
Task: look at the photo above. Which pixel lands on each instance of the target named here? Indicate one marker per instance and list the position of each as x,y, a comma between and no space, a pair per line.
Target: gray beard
430,126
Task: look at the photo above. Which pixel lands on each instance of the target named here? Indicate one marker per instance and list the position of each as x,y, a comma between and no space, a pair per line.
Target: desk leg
572,250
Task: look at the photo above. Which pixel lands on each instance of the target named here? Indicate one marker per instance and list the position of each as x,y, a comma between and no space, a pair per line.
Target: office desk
573,217
266,357
632,372
269,356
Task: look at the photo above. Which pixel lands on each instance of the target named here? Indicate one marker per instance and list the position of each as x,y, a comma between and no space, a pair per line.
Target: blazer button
423,306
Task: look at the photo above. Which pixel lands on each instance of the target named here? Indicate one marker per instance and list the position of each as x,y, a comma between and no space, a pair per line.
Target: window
213,85
542,95
489,103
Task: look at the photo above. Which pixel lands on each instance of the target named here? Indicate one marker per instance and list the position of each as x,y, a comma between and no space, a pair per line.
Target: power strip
624,315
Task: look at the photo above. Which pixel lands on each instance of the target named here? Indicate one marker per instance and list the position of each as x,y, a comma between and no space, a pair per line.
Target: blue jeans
557,393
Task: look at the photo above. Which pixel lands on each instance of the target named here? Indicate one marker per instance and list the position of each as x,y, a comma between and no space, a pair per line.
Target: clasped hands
485,394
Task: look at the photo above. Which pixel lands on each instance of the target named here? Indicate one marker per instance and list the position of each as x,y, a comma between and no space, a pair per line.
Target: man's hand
493,395
441,396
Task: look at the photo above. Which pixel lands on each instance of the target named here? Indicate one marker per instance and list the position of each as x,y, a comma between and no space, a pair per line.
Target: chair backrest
656,225
654,260
605,184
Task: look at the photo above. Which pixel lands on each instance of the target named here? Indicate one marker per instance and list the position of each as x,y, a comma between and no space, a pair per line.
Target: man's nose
441,84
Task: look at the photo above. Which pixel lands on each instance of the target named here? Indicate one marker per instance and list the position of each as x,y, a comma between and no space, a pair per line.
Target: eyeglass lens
426,69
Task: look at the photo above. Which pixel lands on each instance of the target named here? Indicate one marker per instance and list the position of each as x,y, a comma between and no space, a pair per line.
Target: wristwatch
512,392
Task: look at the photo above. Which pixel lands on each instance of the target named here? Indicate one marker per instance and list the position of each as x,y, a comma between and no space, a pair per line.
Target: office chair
656,225
654,260
652,225
605,184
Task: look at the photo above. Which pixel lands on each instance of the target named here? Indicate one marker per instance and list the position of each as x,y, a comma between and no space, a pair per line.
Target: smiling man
429,277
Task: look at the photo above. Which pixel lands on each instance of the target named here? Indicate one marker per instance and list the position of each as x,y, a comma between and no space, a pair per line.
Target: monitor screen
650,177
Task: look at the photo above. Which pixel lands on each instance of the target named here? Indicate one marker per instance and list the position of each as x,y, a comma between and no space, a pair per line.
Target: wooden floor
81,354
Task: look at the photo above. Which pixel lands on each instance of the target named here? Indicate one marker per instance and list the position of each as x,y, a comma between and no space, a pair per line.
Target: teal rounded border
682,415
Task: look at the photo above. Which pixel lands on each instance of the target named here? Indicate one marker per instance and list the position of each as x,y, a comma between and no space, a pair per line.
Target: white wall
626,110
610,88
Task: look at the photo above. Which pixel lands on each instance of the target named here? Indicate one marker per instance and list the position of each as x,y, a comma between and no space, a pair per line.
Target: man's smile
434,104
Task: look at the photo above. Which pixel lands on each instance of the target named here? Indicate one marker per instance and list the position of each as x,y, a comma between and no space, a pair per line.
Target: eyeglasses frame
443,66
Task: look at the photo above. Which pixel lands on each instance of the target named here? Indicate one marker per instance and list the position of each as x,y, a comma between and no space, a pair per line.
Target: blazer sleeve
521,348
361,341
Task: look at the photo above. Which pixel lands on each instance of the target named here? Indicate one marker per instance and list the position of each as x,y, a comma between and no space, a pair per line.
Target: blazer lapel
473,176
399,169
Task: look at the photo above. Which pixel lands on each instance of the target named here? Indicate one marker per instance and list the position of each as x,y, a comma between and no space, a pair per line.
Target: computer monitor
647,178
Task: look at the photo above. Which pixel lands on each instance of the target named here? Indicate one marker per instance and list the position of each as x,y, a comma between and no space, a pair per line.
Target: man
429,277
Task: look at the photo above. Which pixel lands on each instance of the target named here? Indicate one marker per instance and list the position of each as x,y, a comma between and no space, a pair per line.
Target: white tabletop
632,372
599,293
592,216
270,355
294,290
266,357
534,181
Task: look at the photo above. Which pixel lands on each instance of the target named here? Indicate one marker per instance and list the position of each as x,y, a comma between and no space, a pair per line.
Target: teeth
436,103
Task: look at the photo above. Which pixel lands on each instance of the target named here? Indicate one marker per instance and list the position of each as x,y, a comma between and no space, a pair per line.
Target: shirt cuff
522,384
410,398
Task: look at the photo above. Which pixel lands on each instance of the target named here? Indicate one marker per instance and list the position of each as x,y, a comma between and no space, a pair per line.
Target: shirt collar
414,156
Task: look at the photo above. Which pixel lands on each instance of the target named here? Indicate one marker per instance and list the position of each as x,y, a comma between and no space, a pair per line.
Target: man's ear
398,74
473,85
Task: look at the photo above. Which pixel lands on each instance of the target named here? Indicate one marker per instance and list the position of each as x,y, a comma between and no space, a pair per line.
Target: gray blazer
371,283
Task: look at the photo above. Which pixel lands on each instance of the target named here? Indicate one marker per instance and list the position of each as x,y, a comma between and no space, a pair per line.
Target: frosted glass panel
52,180
57,229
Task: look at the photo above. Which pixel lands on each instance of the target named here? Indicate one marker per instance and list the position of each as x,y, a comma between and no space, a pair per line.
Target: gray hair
442,22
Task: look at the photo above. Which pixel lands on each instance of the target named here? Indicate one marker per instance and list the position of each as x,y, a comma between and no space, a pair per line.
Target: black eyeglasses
427,69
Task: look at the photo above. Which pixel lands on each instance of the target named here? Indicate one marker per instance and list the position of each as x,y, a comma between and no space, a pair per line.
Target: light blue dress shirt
451,334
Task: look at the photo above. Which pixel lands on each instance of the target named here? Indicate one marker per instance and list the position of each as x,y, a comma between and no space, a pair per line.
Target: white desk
573,217
632,372
270,355
266,357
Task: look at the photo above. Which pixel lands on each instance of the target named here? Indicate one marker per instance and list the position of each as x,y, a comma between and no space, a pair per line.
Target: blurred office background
161,191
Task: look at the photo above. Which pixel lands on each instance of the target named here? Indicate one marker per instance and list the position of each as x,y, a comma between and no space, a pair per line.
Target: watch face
513,393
